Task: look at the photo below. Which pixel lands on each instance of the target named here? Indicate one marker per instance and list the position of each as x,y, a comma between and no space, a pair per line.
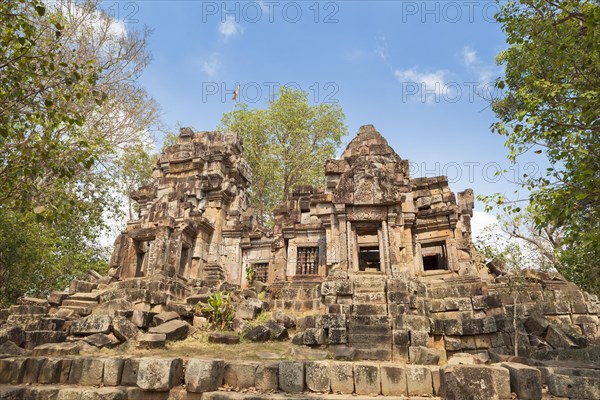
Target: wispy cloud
469,56
230,27
211,65
486,73
433,83
381,49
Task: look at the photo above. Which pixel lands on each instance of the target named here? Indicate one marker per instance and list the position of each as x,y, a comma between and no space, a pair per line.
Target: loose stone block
13,333
159,374
240,374
367,379
163,317
173,330
95,323
393,380
11,349
291,376
525,381
267,377
341,377
481,382
152,340
314,336
204,375
424,355
420,382
317,376
124,329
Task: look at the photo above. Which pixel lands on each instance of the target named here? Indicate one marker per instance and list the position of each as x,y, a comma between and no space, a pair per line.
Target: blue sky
414,69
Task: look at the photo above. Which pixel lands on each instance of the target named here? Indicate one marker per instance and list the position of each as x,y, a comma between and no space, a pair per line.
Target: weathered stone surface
204,375
129,373
56,349
424,355
95,323
152,340
345,353
27,309
10,348
36,338
573,387
259,333
98,340
13,333
112,306
159,374
163,317
525,381
240,374
558,339
113,368
249,308
223,338
341,377
420,382
278,330
142,319
367,379
32,369
317,376
458,382
291,376
124,329
314,336
50,371
535,325
267,377
393,380
287,320
173,330
86,371
12,370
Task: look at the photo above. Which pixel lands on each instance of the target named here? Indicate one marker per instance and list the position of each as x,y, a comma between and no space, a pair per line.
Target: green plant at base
250,274
219,310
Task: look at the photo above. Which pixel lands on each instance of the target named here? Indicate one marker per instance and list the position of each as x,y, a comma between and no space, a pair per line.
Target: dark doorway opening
434,256
369,258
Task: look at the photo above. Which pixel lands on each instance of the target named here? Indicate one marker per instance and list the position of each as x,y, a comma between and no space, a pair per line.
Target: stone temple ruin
377,268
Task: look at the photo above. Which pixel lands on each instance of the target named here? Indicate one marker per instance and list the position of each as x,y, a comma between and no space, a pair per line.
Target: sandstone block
86,371
11,349
367,379
480,382
267,377
95,323
50,371
339,287
328,321
142,319
223,338
574,387
130,371
12,370
204,375
393,380
525,381
317,376
159,374
36,338
32,370
424,355
314,336
249,309
99,340
152,340
259,333
124,329
13,333
113,368
240,374
420,381
291,376
163,317
173,330
278,330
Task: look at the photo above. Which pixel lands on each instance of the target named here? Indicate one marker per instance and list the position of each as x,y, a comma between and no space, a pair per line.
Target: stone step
81,311
27,322
369,284
369,309
26,309
79,303
369,297
86,296
11,392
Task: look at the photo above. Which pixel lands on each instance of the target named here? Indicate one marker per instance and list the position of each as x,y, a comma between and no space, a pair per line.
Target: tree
69,107
550,106
286,145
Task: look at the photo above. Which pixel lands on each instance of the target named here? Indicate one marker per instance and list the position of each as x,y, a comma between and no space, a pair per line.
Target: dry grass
197,346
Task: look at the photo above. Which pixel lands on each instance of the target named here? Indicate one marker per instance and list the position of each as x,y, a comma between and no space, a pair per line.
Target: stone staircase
369,326
213,275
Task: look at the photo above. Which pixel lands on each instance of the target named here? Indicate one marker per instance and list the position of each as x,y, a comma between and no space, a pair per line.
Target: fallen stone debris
372,281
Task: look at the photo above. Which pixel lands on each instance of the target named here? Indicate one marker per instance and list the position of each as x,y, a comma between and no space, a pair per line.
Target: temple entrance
435,256
367,239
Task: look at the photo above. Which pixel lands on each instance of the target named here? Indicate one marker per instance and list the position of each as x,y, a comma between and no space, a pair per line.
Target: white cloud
482,222
469,55
381,49
431,86
211,66
230,27
117,28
